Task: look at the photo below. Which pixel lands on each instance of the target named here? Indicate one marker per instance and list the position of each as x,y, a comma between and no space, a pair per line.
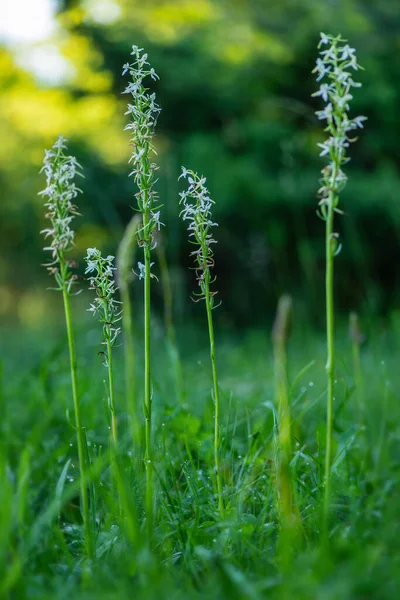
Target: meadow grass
195,553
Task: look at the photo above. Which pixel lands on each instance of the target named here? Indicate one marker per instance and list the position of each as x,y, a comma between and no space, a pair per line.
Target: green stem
114,435
78,424
330,365
129,355
216,393
147,396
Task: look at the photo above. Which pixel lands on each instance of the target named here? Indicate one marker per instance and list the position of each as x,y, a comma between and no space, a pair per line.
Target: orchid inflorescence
101,277
60,170
335,68
197,206
144,112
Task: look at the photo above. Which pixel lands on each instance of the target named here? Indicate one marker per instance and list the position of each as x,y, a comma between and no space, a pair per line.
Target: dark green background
235,89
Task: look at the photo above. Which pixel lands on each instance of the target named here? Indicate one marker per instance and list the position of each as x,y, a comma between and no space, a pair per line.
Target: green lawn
195,553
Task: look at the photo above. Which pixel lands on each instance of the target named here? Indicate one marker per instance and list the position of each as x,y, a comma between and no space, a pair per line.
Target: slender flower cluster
197,206
144,112
101,276
61,171
335,68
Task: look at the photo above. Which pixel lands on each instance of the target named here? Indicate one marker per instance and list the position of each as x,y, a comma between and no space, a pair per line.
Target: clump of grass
197,206
61,191
143,113
334,69
101,277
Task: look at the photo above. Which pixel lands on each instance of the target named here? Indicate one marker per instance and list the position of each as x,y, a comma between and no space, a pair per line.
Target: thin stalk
330,364
216,391
78,424
144,112
334,69
111,393
148,456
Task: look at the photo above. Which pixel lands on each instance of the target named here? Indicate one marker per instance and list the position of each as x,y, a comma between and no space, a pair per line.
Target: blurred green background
235,89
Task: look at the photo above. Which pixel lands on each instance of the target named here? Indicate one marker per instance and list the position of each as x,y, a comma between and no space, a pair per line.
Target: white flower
323,91
60,143
347,52
326,113
358,121
184,174
156,219
321,68
136,50
324,39
326,147
343,101
142,270
92,252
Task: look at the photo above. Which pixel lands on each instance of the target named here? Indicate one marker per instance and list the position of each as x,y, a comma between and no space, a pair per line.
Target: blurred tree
235,88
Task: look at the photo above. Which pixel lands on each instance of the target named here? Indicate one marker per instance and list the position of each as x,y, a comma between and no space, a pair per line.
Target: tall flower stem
148,456
197,206
143,113
335,66
78,423
61,171
218,474
330,347
101,277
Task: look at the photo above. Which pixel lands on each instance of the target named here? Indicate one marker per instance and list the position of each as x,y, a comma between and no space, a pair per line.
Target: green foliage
235,89
195,554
